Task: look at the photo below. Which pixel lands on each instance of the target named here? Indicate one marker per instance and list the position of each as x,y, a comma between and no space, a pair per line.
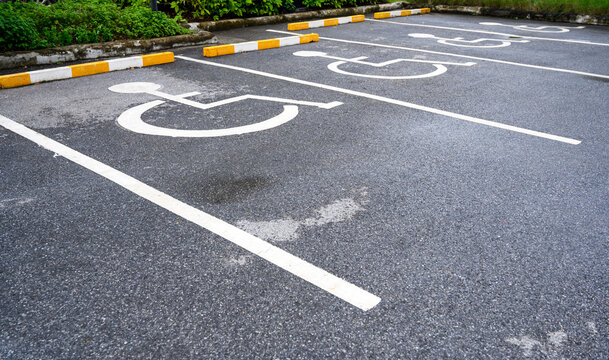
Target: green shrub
27,26
217,9
326,4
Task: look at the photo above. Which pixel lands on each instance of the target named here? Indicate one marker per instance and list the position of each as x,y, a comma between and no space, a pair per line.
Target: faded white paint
526,343
287,229
592,327
16,201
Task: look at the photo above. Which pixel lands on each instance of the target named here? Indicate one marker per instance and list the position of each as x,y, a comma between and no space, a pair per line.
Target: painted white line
306,271
391,101
457,55
585,42
541,29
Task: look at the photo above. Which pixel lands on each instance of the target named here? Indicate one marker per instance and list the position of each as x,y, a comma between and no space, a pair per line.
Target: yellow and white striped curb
326,22
98,67
217,50
388,14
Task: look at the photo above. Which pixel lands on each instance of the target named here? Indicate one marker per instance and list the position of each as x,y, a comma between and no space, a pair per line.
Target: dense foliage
29,25
217,9
337,3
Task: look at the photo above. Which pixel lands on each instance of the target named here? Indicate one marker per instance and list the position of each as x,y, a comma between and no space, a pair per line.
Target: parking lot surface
430,186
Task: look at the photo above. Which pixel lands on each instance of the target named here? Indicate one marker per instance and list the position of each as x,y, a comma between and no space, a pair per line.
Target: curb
326,22
92,68
275,19
11,60
212,51
521,14
398,13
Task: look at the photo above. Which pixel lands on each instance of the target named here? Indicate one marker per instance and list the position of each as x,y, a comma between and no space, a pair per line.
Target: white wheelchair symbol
131,119
458,41
541,29
439,65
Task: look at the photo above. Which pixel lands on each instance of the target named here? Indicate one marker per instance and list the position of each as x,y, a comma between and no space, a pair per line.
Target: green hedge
27,26
217,9
337,3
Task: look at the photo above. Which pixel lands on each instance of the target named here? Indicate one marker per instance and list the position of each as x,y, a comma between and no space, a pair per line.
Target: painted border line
392,101
396,13
325,22
505,62
228,49
92,68
305,270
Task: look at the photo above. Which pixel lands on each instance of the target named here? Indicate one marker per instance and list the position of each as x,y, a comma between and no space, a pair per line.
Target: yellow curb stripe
218,50
388,14
298,26
309,38
326,22
268,44
72,71
157,59
91,68
14,80
330,22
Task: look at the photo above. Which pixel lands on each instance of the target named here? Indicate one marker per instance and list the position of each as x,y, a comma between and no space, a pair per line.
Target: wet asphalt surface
481,242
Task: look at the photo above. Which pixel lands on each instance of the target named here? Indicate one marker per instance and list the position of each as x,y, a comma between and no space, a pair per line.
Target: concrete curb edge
16,59
86,69
275,19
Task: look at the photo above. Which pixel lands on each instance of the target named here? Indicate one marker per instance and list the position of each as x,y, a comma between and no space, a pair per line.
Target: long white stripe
586,42
392,101
455,55
316,276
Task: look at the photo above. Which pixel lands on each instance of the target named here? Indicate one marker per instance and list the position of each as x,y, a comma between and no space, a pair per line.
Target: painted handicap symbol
131,119
541,29
459,41
439,65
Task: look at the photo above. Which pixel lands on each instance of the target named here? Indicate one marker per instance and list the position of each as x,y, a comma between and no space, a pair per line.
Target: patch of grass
29,25
584,7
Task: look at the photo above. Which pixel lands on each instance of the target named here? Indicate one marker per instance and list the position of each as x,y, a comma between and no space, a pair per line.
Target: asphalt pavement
462,182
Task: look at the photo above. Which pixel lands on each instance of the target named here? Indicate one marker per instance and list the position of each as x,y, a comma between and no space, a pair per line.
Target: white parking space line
392,101
306,271
585,42
457,55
